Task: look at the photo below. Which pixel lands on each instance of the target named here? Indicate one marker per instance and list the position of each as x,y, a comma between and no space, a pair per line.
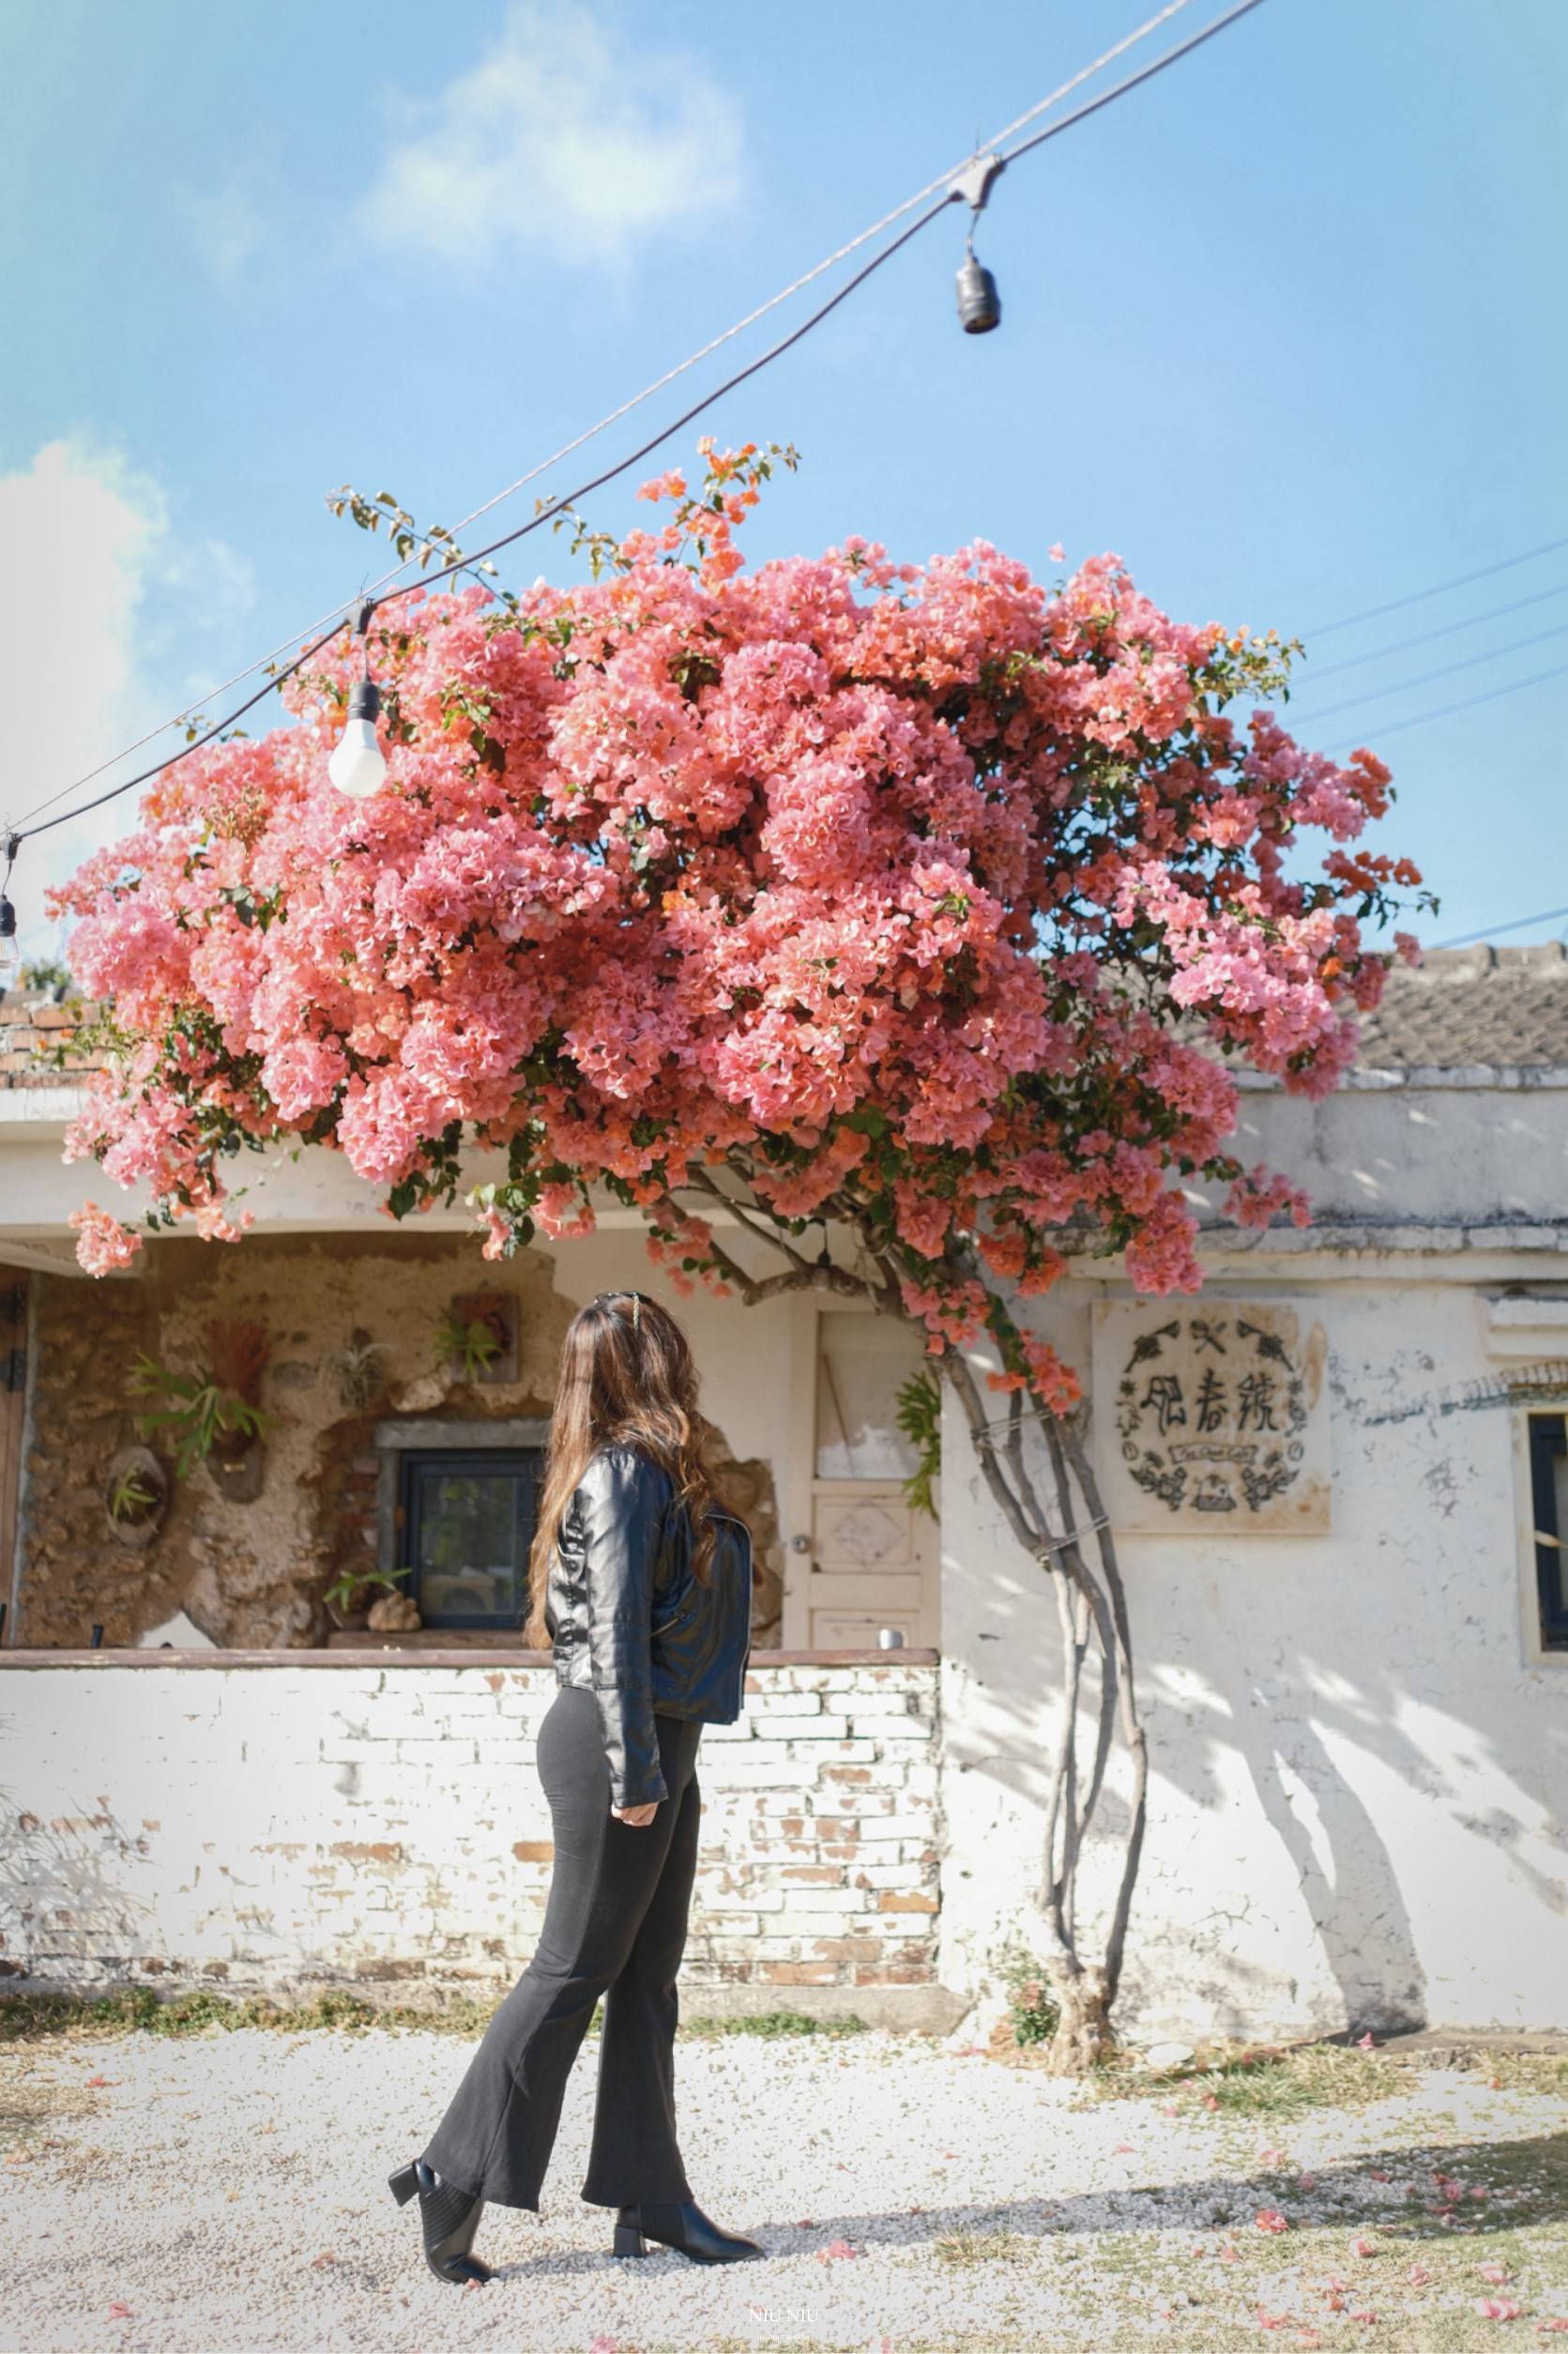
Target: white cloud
562,141
107,614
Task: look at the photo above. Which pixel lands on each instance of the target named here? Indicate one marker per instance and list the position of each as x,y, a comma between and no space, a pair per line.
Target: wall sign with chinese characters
1212,1413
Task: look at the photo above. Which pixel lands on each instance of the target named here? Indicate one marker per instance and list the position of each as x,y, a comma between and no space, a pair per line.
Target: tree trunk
1084,2037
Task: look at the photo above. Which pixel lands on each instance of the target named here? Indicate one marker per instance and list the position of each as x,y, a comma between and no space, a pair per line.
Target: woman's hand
637,1815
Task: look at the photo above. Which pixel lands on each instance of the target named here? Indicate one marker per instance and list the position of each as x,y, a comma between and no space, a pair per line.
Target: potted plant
357,1367
466,1346
212,1416
349,1596
135,1497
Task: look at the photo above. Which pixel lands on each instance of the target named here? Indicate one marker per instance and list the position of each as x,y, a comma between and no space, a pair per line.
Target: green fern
920,1417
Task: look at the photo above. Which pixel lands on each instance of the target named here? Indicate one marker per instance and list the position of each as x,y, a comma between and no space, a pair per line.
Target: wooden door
14,1399
875,1560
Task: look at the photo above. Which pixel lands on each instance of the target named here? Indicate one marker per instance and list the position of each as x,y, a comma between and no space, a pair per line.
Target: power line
1426,677
1441,589
1447,711
1404,645
333,619
1520,924
365,604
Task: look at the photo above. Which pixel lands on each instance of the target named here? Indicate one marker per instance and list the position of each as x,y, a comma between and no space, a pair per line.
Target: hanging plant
467,1346
135,1497
212,1416
357,1368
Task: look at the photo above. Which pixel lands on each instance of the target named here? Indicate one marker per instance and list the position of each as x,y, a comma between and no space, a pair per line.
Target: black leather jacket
628,1620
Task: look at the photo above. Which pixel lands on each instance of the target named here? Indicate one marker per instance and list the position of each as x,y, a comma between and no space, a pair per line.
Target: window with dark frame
466,1520
1549,1485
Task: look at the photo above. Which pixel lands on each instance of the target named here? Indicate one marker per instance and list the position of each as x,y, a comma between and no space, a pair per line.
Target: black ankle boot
685,2227
449,2218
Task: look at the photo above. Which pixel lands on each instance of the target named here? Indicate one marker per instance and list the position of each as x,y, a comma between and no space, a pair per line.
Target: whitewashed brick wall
273,1826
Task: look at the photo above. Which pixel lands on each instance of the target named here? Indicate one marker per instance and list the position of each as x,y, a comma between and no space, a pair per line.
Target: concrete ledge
357,1654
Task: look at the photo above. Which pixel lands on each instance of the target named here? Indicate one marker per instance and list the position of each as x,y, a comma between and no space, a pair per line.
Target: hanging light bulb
10,947
357,766
980,306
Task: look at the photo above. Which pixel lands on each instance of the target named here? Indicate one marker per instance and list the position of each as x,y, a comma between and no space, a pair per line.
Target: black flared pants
615,1925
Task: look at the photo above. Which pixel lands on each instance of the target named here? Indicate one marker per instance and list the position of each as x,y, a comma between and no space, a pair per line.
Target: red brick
533,1850
895,1901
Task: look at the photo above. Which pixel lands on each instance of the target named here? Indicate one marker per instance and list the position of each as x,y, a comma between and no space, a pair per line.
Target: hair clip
636,1311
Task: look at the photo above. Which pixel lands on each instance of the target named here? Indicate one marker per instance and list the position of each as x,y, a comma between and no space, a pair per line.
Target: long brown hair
626,1375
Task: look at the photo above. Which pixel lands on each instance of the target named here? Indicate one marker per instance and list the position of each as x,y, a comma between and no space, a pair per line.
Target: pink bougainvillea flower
927,897
1496,2309
102,1242
1270,2219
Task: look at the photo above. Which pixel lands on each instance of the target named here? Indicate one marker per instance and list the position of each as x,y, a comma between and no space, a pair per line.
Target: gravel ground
226,2190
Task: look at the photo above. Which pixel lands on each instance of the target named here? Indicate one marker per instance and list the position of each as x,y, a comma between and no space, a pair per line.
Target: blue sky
1283,328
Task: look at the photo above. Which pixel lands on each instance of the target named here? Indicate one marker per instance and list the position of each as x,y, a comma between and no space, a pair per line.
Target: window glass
468,1520
862,1363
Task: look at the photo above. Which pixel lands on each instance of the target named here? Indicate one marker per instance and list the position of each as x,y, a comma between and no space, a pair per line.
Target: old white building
1337,1479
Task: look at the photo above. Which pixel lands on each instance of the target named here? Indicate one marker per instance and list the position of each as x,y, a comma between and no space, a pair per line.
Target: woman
644,1588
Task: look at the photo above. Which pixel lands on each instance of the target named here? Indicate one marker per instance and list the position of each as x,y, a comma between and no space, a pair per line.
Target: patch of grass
1520,2071
960,2250
1527,2181
1261,2081
26,2018
26,2108
31,2017
776,2023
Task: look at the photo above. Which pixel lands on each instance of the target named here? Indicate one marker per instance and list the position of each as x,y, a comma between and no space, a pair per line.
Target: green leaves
919,1416
195,1412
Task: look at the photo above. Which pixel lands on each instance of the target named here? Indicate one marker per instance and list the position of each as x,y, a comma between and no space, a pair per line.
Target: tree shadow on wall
1355,1763
65,1911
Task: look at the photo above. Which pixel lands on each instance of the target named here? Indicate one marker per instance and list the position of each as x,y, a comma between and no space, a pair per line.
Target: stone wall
290,1823
249,1574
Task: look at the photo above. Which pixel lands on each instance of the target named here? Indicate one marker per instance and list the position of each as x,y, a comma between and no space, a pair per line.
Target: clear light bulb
357,766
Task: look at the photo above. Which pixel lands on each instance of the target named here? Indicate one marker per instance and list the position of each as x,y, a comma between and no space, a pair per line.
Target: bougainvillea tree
929,901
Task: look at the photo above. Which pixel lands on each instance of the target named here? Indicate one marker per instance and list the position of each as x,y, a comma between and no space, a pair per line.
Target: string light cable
322,631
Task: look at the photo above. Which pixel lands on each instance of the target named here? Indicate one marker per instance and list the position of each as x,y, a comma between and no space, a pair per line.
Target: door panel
874,1561
13,1360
